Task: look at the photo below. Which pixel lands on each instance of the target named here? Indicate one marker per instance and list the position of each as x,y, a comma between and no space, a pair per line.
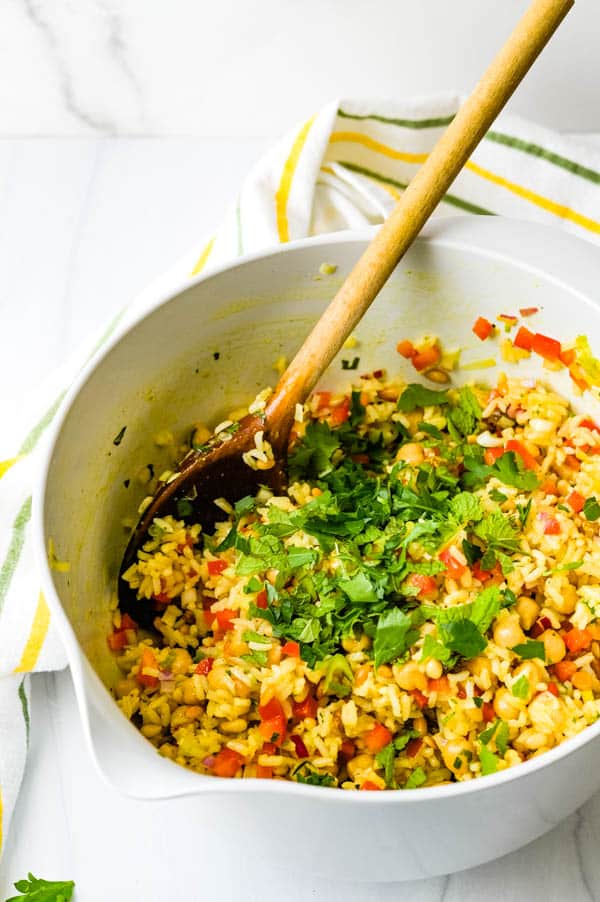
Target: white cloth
343,168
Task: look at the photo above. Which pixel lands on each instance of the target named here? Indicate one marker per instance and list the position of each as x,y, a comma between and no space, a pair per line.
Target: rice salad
422,605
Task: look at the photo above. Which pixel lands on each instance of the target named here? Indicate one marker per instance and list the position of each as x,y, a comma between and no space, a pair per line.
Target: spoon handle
413,209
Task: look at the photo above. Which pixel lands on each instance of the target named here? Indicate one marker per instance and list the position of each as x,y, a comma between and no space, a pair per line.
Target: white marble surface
195,67
84,224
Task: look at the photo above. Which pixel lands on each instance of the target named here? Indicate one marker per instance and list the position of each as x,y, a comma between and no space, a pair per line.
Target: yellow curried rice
421,607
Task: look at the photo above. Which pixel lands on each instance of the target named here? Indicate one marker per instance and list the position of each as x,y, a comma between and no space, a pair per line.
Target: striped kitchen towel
343,168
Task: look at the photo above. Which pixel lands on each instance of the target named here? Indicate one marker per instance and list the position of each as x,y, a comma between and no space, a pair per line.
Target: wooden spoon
218,470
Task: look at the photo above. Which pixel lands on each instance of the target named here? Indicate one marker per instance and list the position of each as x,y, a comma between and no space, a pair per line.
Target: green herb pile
383,521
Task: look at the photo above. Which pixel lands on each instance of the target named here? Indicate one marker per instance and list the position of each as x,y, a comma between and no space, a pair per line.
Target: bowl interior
214,345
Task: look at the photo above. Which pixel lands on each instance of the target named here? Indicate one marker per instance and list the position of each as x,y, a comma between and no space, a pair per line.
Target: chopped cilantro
533,648
119,436
305,774
35,888
184,508
498,497
489,761
520,688
417,778
463,637
591,508
347,365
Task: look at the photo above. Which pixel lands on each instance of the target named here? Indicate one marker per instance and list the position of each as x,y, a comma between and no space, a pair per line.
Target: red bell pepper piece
216,567
273,721
227,763
482,328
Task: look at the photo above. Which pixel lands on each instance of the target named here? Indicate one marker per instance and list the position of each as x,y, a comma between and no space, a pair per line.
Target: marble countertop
84,224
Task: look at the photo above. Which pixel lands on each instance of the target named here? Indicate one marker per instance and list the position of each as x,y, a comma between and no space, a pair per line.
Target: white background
88,216
253,67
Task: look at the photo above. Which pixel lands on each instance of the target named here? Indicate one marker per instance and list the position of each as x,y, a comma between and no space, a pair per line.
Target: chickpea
412,453
181,662
481,668
409,676
384,672
554,646
434,669
547,713
168,751
184,715
456,754
151,730
566,599
358,764
531,740
531,673
507,632
189,692
125,686
528,611
505,705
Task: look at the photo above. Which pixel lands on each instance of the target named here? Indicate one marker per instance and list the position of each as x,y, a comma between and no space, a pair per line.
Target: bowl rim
497,238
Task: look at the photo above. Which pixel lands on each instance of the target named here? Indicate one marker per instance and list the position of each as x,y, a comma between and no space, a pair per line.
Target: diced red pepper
577,640
369,785
162,598
546,347
216,567
528,311
491,455
421,700
323,399
227,763
413,747
568,357
204,667
261,600
550,524
306,708
564,670
291,648
588,423
553,688
269,748
340,413
519,448
441,686
523,339
425,584
508,319
273,721
225,617
548,486
575,501
347,749
301,750
117,640
578,376
148,662
482,328
406,348
426,358
127,623
377,738
450,557
487,709
264,773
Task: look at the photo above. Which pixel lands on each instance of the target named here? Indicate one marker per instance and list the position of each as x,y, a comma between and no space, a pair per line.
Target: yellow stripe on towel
37,634
203,257
285,185
544,202
371,144
5,465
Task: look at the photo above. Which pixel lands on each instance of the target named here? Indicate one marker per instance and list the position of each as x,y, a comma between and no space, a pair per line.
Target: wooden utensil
218,470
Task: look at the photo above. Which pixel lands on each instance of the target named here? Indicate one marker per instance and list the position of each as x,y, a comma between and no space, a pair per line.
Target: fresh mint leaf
416,395
393,636
464,417
359,588
466,508
533,648
497,531
463,637
34,889
434,649
485,608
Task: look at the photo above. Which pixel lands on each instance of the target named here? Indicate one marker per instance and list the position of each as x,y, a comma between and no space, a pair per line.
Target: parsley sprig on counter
349,561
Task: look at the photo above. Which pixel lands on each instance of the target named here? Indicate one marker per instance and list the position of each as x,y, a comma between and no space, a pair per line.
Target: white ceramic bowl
162,374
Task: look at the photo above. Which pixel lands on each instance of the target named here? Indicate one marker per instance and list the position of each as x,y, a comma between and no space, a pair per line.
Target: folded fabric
341,169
